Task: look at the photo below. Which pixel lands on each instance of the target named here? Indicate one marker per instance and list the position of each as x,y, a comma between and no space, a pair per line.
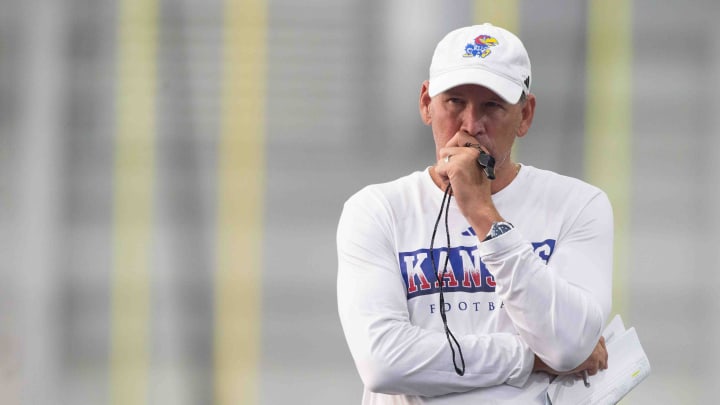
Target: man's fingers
460,139
604,362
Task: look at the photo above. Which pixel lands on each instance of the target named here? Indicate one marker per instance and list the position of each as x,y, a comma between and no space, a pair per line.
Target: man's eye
492,104
455,100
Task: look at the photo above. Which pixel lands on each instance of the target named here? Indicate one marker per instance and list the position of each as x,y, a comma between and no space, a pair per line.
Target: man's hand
471,188
597,361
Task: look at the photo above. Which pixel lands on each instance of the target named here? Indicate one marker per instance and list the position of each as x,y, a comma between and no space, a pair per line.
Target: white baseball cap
485,55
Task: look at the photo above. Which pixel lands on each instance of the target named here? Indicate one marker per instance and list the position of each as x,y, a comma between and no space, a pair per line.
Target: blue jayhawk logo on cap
481,46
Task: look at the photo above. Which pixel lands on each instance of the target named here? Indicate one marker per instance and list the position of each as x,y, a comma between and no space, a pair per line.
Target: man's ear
528,112
424,103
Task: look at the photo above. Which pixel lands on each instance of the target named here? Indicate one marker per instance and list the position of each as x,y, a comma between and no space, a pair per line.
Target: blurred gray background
339,111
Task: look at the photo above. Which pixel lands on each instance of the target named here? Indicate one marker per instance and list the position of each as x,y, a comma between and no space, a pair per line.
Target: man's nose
473,121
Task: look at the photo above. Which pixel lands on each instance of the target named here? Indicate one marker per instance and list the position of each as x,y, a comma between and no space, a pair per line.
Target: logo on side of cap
481,46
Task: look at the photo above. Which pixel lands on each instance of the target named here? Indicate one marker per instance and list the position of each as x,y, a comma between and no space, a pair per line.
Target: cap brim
506,89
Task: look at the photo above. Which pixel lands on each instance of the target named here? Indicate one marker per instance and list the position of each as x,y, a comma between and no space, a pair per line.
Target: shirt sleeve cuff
501,244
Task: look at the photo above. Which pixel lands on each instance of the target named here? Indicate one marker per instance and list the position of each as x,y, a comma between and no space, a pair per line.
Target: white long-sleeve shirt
542,288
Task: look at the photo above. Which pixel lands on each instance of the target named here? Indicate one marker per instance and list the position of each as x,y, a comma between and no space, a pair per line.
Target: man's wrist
482,222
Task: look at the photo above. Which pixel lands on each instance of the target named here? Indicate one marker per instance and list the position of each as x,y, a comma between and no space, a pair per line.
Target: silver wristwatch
497,229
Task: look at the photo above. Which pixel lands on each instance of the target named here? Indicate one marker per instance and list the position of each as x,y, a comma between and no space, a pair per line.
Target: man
526,288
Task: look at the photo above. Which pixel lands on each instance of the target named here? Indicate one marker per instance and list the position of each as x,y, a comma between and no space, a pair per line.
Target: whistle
486,161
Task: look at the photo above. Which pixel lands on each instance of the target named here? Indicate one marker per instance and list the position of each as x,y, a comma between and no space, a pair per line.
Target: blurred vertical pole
500,13
240,200
608,121
38,170
134,175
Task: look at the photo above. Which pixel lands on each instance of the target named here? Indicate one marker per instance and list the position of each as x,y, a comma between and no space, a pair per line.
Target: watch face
500,228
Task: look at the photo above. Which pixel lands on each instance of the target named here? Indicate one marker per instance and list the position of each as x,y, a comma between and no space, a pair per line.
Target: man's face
481,113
